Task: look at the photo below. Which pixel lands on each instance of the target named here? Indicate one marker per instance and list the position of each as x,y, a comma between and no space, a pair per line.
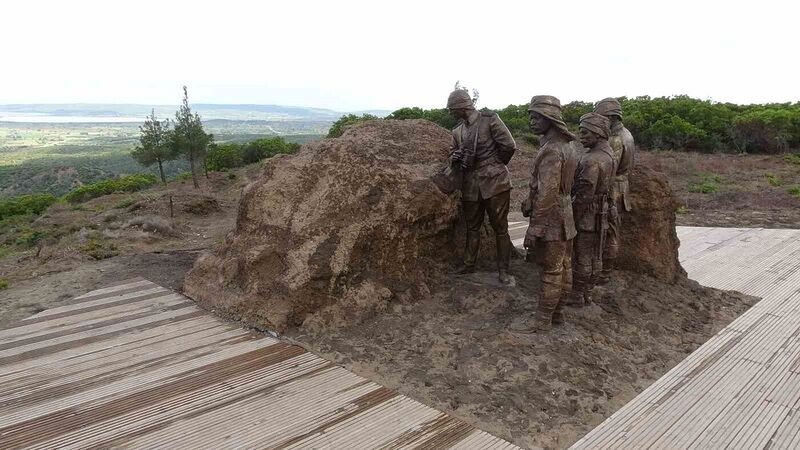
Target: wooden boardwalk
138,366
741,389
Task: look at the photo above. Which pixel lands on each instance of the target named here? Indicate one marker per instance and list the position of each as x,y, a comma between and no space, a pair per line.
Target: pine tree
188,138
154,145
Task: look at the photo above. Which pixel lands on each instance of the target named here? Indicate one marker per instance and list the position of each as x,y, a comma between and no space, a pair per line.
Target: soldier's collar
472,117
551,134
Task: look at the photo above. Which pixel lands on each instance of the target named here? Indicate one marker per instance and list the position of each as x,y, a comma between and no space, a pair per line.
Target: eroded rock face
649,241
336,232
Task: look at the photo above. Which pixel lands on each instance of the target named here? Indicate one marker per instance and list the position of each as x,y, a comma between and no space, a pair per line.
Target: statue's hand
526,206
530,239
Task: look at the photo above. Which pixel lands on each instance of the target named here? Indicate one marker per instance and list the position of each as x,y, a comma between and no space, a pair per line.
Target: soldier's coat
552,178
623,148
592,183
489,176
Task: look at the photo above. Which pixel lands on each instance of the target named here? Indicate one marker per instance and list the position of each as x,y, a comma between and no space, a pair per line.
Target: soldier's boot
578,298
470,253
558,314
503,245
605,274
549,298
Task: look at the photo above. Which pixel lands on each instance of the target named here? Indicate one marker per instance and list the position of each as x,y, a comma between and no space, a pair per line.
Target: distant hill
208,111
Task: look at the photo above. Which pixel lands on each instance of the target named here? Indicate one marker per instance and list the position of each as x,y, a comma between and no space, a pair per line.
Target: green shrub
29,238
26,204
99,249
792,158
773,180
337,128
183,176
708,184
122,204
224,156
794,191
3,284
130,183
681,210
257,150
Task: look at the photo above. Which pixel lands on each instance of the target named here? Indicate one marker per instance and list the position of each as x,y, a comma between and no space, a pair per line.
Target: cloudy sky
349,55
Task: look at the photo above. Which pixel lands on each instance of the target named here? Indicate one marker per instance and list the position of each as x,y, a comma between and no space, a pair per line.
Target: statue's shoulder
626,134
489,114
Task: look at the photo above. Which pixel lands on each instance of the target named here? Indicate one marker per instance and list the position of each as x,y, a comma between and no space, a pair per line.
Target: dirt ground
452,351
98,242
49,290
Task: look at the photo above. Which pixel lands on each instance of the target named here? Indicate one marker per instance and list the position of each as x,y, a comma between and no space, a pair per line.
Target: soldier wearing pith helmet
551,227
590,204
481,147
623,149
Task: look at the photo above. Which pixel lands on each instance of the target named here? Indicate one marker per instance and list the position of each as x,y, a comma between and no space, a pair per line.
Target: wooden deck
741,389
138,366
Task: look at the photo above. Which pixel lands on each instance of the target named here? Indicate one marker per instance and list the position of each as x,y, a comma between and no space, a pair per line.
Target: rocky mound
335,232
649,242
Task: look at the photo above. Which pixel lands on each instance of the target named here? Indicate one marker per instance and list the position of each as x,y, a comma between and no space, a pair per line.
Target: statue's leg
497,207
611,246
473,215
583,263
566,281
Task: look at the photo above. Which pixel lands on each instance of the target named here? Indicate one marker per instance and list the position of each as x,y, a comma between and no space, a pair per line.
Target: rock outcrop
650,243
337,231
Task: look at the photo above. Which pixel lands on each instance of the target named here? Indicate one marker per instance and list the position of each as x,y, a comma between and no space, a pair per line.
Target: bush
337,128
794,191
228,156
26,204
29,238
709,184
128,183
99,249
3,284
793,158
122,204
266,148
440,117
224,156
183,176
773,180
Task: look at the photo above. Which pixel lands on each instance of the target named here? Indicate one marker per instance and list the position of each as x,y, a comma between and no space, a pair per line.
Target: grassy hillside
55,158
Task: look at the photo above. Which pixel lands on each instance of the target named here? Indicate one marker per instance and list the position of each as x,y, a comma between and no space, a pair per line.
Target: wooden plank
748,395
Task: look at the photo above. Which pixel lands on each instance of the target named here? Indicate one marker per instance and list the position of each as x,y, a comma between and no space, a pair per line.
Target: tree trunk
194,172
161,171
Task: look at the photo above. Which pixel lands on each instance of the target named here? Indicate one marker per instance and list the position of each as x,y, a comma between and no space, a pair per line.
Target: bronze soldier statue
623,149
590,204
481,148
549,206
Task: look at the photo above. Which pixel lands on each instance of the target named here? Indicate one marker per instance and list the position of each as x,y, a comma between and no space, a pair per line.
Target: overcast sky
348,55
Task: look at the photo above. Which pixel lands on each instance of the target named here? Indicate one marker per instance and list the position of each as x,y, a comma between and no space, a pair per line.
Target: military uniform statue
590,204
481,148
623,149
549,206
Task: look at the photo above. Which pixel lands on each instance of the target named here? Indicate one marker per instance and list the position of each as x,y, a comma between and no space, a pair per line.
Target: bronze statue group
577,199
